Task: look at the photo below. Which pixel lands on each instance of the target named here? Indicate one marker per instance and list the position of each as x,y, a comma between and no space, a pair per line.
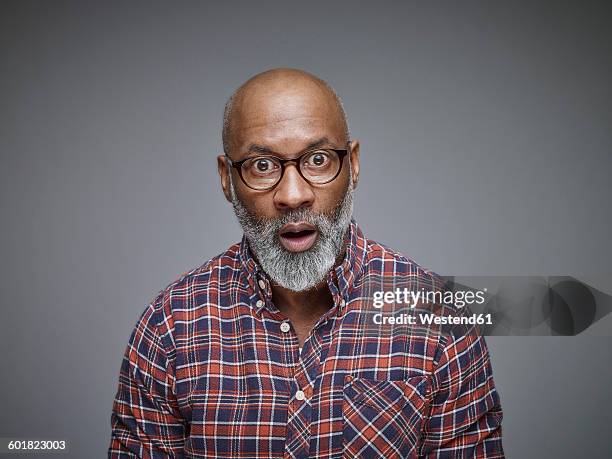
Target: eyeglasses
317,166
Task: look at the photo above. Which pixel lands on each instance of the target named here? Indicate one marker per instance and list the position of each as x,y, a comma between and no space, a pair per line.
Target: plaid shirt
213,369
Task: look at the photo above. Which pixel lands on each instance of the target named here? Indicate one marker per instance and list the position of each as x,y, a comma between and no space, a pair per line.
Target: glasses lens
262,172
320,166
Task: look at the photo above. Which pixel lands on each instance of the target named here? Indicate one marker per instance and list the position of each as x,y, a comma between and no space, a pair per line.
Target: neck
308,304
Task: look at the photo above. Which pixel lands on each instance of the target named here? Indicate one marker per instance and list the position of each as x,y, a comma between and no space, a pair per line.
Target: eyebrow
255,148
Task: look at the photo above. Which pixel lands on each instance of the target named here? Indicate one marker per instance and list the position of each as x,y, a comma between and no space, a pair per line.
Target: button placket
299,423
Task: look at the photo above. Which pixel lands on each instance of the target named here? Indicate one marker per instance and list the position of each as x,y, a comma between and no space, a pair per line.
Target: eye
263,165
317,159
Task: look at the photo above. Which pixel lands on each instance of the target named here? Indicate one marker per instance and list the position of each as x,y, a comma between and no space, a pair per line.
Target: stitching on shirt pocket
383,418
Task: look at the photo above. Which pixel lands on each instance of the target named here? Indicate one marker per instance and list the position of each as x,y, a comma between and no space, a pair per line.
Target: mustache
320,220
296,216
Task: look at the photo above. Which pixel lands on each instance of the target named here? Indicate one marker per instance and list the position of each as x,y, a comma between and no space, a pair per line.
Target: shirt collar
340,279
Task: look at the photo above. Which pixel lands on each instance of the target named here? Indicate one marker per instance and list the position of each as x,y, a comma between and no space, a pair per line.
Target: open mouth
298,237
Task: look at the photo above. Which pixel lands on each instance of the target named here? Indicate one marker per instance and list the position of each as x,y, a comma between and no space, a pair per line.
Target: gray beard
297,271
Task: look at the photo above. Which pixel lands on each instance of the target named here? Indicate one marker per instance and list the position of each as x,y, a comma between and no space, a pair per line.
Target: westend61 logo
405,297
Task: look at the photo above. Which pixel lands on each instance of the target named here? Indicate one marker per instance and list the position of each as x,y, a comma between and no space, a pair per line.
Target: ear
224,171
354,154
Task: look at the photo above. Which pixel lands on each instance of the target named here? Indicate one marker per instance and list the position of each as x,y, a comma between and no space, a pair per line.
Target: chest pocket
383,418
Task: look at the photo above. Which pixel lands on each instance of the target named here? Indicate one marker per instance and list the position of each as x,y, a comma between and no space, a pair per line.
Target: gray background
486,149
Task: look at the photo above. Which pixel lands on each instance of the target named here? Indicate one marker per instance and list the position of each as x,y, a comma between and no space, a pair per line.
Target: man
261,352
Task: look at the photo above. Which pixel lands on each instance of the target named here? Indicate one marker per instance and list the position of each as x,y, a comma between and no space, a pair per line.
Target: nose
292,192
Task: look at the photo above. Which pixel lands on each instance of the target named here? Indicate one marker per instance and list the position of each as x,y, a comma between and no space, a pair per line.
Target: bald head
276,97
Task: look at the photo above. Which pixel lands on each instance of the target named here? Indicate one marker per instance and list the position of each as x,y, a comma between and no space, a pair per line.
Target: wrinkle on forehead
286,134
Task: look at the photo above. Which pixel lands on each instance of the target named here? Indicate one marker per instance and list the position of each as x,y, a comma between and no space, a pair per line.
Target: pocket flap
382,394
383,418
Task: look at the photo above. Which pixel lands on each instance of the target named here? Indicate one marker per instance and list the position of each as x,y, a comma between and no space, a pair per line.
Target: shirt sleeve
465,412
145,420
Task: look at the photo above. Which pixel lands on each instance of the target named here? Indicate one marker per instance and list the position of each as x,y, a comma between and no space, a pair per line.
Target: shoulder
387,270
385,262
199,285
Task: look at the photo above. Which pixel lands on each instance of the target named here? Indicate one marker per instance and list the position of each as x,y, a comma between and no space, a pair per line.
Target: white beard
297,271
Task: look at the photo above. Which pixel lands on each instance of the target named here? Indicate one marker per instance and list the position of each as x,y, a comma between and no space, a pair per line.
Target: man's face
296,229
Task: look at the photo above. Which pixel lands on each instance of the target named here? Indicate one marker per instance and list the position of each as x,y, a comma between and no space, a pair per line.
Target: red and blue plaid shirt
213,369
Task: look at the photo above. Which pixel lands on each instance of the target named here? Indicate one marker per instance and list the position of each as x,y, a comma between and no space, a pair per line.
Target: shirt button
262,284
259,303
285,327
300,395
